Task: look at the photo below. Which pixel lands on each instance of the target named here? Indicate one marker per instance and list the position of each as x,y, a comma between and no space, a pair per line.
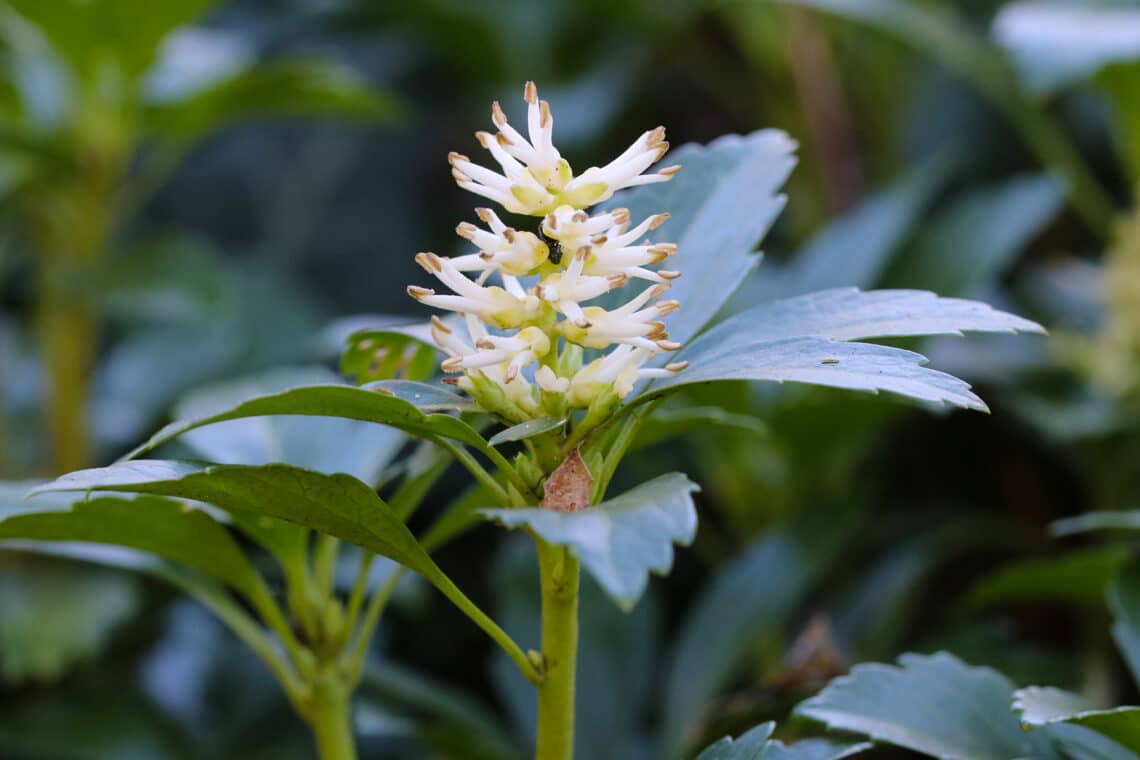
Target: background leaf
932,704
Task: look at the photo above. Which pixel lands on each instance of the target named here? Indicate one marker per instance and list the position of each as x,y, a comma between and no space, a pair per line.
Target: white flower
629,324
515,351
536,179
494,305
503,248
616,373
566,290
608,238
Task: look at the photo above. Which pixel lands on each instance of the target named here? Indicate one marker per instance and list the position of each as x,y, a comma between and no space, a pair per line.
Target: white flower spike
526,335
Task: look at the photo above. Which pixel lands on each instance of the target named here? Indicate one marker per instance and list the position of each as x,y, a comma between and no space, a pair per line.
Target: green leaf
622,539
170,529
737,608
749,746
1121,84
126,32
1124,521
54,616
812,749
273,89
665,424
324,444
385,354
933,704
380,403
1079,577
524,430
1124,601
1043,706
721,205
979,238
854,250
799,340
1054,46
338,505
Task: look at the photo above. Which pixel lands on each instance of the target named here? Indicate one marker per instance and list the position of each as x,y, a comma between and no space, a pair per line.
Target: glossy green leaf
275,89
375,354
338,505
736,609
374,404
1043,706
799,340
812,749
932,704
623,539
748,746
979,237
722,203
164,527
524,430
324,444
1055,45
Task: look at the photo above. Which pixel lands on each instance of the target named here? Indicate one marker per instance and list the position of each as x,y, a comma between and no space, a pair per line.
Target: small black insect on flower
554,246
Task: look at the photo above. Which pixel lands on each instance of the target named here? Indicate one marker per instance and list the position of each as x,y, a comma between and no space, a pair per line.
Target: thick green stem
559,572
330,717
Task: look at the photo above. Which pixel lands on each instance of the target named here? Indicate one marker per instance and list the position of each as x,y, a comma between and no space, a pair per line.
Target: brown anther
657,331
452,381
581,217
667,307
466,230
484,343
454,364
662,149
666,248
503,140
620,216
659,290
485,214
484,139
582,252
452,157
582,323
509,234
438,324
551,221
418,293
599,240
486,256
430,262
669,171
497,115
657,220
530,92
617,280
511,374
668,274
545,111
668,345
677,366
655,137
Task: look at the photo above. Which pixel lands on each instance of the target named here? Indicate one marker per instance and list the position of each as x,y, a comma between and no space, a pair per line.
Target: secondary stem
559,572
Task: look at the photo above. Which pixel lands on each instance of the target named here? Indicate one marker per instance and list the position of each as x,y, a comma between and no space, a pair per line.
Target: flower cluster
538,313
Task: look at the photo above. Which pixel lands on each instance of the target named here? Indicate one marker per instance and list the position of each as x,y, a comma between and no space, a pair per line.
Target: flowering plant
548,346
